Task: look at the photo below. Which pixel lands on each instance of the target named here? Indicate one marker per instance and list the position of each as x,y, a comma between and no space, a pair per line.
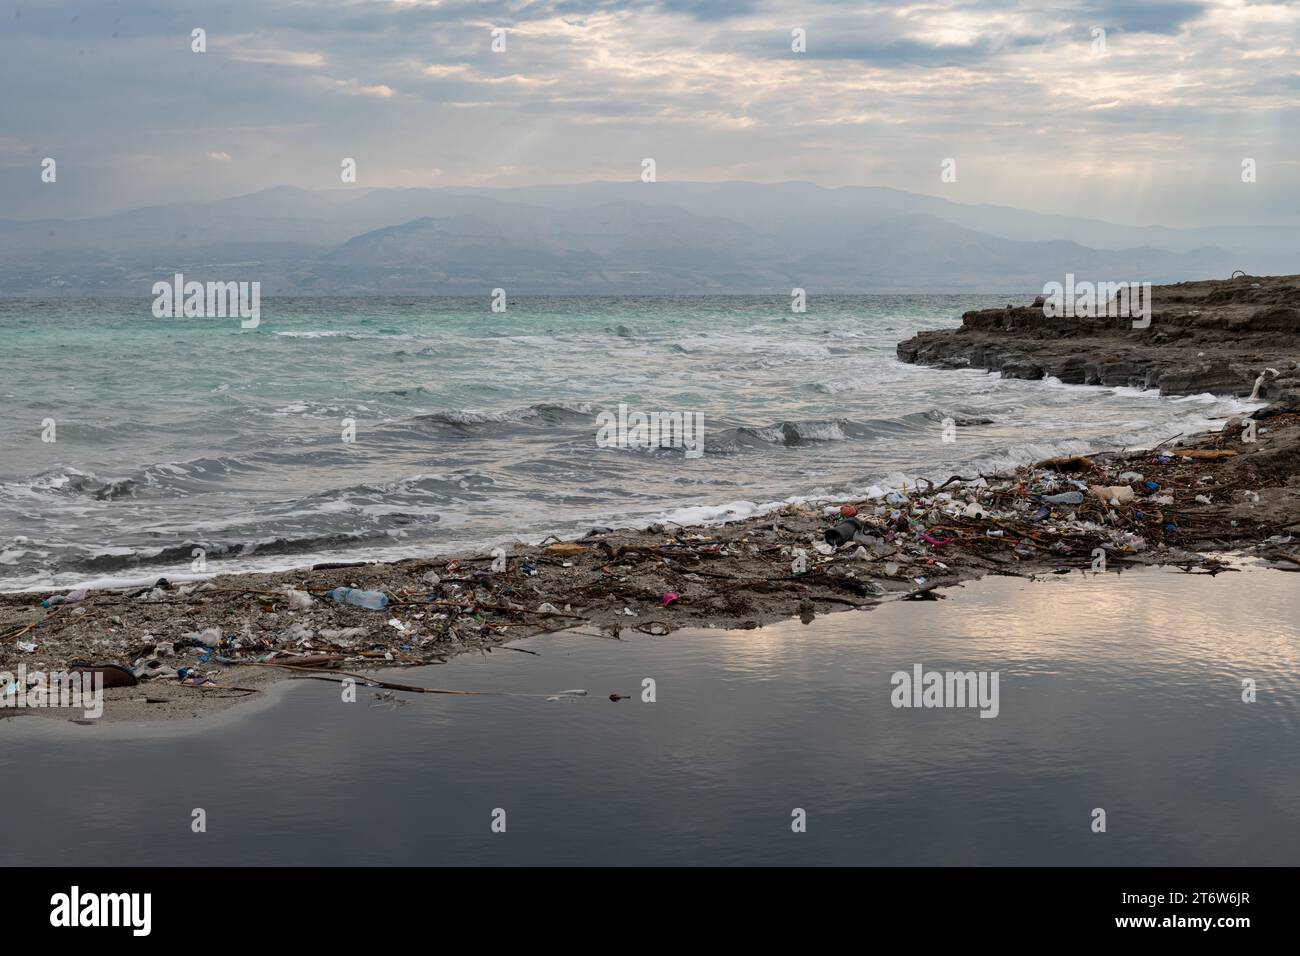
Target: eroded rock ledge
1214,336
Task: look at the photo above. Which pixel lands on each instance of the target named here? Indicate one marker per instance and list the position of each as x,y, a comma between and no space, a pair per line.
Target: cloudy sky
1151,130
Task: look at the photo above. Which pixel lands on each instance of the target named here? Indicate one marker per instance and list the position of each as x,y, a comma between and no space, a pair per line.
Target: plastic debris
372,600
300,600
568,695
843,532
1065,498
72,597
343,634
1114,494
154,670
1205,454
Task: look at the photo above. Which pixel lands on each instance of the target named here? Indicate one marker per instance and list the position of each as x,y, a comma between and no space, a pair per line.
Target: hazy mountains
612,238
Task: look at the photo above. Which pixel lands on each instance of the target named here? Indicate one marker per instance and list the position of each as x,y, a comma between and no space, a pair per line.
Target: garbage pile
1163,505
1168,505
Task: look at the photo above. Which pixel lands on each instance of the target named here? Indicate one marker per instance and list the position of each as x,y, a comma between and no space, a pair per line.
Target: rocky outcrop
1213,336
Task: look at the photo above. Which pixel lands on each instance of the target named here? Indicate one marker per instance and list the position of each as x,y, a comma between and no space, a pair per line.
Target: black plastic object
843,532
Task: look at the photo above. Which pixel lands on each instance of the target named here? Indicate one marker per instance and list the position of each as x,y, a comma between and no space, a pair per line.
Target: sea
133,447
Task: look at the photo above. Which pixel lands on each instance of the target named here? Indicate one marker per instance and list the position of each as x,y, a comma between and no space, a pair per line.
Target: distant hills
613,238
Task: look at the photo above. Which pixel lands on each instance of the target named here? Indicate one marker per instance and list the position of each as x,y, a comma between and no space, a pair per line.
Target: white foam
705,514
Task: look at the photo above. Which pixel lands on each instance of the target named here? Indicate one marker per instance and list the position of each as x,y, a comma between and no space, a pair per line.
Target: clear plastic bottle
374,600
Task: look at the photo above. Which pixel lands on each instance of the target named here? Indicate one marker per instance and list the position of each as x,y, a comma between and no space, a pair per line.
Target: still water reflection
1119,692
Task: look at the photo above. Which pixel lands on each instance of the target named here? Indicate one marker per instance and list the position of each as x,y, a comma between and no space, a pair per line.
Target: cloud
277,57
709,9
218,157
354,88
711,89
1139,17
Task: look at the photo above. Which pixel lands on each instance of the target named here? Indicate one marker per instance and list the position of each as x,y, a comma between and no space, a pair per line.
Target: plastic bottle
72,597
374,600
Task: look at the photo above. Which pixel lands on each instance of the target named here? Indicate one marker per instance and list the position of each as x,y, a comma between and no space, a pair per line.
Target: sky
1152,128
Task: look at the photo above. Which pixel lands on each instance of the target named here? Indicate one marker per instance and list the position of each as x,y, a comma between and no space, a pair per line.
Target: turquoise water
474,427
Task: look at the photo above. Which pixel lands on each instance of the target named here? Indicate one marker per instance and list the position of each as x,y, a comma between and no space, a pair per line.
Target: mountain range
613,238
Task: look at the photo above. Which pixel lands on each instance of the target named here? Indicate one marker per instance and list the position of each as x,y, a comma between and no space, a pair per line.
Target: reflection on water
1119,692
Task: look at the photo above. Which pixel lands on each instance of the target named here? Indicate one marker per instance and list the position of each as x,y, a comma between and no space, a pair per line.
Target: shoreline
239,633
188,648
1087,664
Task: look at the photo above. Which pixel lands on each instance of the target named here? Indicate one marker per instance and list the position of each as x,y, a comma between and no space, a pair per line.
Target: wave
799,432
352,335
1027,453
179,478
545,413
70,483
161,479
795,432
183,555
